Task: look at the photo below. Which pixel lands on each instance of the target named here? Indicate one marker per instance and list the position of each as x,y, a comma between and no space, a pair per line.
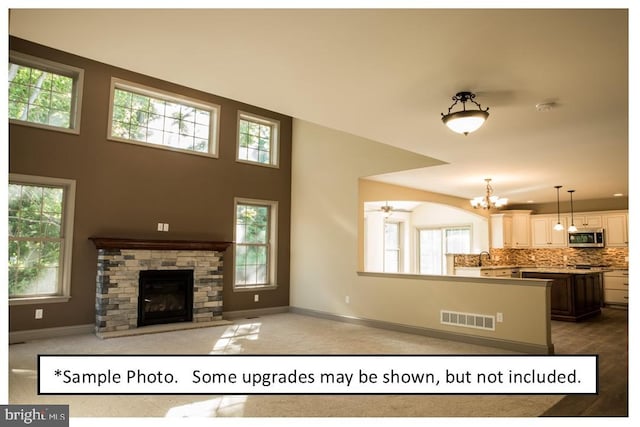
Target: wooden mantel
162,245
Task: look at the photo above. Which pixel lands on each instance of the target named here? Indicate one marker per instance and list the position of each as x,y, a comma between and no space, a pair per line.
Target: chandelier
465,121
489,201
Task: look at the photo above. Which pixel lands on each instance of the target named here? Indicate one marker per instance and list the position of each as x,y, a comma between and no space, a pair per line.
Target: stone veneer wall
615,257
118,276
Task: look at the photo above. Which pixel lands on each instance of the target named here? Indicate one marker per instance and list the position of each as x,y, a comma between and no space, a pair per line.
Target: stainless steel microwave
587,238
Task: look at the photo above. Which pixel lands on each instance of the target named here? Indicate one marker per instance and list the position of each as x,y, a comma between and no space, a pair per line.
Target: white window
435,243
44,93
151,117
41,213
392,247
255,243
257,139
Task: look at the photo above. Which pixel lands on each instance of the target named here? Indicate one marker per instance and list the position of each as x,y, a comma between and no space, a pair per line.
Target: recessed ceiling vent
468,320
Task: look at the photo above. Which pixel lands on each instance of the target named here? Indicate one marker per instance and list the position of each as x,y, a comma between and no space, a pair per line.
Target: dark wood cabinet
573,296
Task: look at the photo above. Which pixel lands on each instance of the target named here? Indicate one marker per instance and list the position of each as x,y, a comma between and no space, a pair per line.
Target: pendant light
572,228
558,226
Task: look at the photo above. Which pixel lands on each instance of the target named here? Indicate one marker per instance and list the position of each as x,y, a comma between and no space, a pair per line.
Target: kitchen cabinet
616,287
574,297
511,229
616,230
543,233
586,221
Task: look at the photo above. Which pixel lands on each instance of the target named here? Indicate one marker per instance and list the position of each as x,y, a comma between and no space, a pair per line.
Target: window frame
442,229
75,73
399,250
214,110
68,214
272,243
274,152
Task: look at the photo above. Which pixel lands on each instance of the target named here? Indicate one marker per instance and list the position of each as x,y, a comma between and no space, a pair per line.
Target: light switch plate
159,226
165,227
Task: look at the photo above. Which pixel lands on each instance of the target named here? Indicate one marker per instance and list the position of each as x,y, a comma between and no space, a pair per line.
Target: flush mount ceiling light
572,228
465,121
558,226
489,200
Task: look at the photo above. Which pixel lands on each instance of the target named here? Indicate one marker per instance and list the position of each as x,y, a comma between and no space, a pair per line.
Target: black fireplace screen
165,296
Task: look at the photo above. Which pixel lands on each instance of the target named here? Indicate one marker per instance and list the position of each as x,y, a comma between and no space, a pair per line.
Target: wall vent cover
468,320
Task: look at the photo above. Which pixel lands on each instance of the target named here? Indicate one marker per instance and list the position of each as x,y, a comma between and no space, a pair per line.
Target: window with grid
257,139
40,236
44,93
392,247
255,243
141,115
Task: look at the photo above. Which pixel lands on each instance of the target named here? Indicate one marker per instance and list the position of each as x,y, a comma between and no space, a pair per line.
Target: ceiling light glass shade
465,122
558,227
572,228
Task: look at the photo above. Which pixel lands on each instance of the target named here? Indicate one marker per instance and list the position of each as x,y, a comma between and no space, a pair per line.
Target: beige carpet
274,334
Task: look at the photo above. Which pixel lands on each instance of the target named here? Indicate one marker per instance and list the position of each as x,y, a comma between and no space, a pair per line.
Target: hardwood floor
608,336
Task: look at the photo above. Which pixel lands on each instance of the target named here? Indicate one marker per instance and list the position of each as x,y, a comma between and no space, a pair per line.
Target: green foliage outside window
252,227
156,121
39,96
255,141
35,239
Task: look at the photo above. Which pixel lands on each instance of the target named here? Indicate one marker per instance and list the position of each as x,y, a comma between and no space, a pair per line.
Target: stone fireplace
120,263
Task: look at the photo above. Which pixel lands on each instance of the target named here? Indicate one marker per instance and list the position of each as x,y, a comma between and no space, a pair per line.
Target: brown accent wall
124,190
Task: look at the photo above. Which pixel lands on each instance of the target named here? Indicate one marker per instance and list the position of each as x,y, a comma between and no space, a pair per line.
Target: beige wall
124,190
327,212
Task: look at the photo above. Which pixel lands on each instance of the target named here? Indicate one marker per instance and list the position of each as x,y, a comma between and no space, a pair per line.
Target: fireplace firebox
165,296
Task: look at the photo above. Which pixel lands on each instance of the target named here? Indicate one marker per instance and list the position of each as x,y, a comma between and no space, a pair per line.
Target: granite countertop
549,269
563,270
488,267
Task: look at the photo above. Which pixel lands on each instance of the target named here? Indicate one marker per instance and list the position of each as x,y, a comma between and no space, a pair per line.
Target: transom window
142,115
43,93
40,236
257,139
255,234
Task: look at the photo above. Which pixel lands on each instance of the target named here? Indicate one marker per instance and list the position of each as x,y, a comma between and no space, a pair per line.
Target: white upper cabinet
586,220
544,234
520,229
616,229
510,229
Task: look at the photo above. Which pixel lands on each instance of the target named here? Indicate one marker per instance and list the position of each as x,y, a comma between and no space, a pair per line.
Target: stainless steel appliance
587,238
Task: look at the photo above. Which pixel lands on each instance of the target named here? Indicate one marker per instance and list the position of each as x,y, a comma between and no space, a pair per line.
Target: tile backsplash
615,257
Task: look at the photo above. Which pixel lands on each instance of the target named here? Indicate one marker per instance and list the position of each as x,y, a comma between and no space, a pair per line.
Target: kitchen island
575,293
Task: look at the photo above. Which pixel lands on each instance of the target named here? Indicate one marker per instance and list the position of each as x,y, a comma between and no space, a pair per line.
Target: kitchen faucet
480,257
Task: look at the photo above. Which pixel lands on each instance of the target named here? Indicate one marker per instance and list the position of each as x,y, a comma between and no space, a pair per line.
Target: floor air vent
468,320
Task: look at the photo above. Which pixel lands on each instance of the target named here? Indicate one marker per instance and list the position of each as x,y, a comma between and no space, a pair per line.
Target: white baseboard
37,334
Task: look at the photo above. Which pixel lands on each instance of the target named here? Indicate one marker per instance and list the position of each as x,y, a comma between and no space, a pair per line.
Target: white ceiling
388,74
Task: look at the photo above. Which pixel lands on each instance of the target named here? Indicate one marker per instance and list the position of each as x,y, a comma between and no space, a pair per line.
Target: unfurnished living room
328,185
